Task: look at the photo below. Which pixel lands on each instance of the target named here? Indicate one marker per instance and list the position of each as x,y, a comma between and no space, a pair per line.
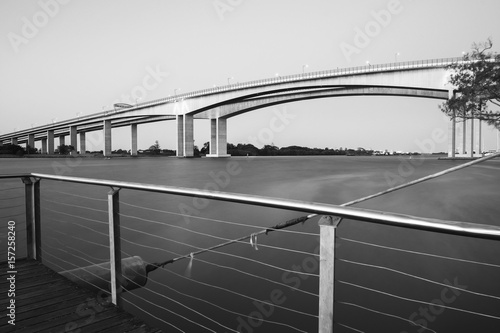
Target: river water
155,227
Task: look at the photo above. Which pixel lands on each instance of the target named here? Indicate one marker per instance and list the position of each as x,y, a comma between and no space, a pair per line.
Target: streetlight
368,63
229,78
77,115
175,91
304,67
396,56
136,101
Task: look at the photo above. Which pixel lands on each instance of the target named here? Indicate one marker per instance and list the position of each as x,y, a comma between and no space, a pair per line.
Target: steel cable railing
59,208
339,259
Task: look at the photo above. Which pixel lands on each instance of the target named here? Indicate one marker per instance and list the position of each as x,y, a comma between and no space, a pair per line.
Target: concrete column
44,146
180,136
61,140
107,137
133,132
13,141
72,137
83,144
222,137
464,136
218,138
213,136
452,129
31,140
188,135
452,137
50,142
472,137
480,134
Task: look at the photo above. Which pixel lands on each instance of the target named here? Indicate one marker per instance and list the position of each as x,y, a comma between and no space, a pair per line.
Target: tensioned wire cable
382,313
178,242
178,214
220,307
418,301
90,262
415,277
350,203
156,248
56,265
102,279
419,253
166,224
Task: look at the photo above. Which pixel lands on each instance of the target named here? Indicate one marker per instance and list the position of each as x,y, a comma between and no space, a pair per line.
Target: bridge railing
369,68
328,274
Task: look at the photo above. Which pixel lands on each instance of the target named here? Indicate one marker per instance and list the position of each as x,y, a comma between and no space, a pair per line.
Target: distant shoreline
100,156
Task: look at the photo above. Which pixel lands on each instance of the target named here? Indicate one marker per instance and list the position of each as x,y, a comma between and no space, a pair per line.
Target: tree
65,149
477,83
155,148
206,148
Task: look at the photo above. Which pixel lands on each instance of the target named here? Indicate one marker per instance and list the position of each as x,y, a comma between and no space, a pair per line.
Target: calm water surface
74,231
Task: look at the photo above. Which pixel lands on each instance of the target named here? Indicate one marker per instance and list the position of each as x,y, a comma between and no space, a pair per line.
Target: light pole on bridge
229,78
304,67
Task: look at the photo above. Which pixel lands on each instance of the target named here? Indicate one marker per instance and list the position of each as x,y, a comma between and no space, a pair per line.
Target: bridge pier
464,137
50,142
13,141
44,145
83,148
133,132
107,137
61,140
185,135
72,139
452,129
218,138
31,141
466,143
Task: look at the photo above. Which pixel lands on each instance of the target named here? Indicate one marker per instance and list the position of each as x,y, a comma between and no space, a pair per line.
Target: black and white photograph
276,166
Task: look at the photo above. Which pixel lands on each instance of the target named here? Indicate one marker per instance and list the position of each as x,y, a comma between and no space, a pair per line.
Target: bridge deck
46,301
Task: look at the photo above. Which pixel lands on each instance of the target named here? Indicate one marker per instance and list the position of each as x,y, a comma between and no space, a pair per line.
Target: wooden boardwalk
48,302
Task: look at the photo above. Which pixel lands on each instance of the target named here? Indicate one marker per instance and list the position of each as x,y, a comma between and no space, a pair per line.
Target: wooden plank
47,301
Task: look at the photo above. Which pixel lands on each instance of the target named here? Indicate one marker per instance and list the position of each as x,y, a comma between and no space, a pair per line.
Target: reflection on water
467,195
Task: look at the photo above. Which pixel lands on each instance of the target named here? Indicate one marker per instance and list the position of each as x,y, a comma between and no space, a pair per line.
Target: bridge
424,79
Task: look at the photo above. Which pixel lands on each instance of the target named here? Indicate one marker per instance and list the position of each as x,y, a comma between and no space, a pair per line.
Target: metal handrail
468,229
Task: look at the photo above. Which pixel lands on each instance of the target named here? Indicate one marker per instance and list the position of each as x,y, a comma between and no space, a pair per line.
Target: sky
65,58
